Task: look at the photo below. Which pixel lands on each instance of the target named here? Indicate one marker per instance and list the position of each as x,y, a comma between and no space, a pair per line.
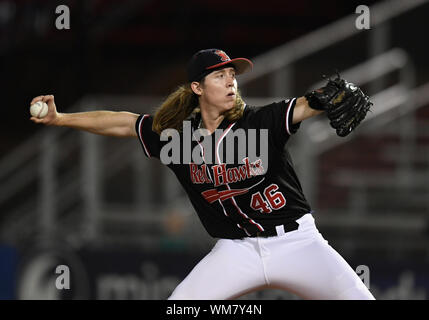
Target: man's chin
229,106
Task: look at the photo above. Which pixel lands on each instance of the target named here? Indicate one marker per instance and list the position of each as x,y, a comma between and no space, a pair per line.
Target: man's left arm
303,111
345,105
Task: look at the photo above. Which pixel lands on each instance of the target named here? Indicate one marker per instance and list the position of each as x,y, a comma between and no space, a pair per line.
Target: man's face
219,89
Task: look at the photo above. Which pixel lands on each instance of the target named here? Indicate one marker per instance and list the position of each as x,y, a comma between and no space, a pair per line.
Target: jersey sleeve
149,139
277,118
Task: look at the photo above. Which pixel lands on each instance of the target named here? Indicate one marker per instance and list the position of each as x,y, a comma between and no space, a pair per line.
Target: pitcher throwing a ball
255,207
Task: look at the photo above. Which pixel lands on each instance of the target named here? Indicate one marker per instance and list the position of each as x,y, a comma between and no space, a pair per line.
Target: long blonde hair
179,105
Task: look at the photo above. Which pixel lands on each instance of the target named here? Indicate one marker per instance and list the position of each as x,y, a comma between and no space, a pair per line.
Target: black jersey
246,196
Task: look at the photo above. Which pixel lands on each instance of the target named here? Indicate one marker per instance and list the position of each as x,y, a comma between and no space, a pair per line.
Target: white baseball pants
301,262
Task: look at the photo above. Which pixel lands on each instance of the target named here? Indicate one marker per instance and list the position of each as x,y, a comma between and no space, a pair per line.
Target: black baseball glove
344,103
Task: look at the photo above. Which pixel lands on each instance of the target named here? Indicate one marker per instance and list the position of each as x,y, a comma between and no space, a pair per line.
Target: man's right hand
53,116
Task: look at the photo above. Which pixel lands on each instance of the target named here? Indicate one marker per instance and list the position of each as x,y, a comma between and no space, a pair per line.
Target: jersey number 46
274,200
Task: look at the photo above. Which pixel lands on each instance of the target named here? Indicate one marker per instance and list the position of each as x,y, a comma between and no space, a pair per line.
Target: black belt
272,232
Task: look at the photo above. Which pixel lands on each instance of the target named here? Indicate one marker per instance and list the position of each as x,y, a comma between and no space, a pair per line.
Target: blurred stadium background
121,222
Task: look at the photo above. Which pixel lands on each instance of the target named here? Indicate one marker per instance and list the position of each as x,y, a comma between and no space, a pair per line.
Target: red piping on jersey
232,198
287,116
243,229
141,135
243,214
220,139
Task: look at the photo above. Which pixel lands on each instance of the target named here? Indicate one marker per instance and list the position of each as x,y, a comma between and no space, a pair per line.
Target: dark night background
136,47
140,48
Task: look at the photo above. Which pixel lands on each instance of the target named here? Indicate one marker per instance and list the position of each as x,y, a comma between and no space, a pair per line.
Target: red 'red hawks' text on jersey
243,198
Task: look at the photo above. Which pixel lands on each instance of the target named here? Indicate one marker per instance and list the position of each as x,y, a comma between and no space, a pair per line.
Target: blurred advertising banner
133,274
105,274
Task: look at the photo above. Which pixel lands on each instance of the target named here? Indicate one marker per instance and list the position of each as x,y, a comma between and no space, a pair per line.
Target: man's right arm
108,123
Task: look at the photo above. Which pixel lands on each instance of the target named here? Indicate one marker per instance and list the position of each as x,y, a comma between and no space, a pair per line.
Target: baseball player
253,205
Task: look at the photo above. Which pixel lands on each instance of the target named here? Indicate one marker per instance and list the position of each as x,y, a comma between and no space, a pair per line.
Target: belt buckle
273,232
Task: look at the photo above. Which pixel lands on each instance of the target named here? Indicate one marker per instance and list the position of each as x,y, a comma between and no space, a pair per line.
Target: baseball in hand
39,109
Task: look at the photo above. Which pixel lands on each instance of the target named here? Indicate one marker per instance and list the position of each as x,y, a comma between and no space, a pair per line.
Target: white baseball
39,109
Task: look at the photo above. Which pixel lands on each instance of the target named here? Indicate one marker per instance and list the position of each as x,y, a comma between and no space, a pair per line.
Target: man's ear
196,87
